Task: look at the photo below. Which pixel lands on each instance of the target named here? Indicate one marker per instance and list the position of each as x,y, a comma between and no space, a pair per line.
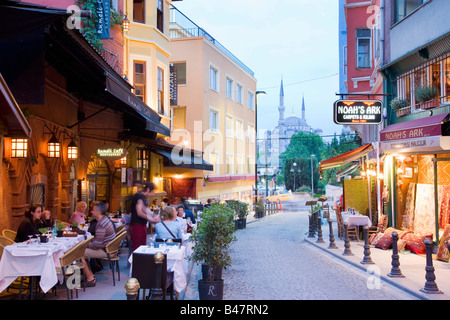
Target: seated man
184,213
104,233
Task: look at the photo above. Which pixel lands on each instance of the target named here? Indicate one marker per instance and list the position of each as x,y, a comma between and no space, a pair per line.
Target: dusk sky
293,39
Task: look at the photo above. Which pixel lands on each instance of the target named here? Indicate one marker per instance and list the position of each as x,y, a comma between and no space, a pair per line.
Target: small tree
241,208
213,237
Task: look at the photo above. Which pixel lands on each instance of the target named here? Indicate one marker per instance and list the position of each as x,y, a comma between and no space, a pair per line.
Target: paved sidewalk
412,266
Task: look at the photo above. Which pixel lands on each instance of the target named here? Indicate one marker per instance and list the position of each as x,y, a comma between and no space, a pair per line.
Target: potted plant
43,238
399,106
60,226
426,96
74,226
211,242
259,208
241,210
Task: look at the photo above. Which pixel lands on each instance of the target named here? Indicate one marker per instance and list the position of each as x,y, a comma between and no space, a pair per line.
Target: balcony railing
182,27
426,105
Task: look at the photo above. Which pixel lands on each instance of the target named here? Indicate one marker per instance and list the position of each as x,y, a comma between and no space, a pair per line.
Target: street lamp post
312,177
294,172
256,145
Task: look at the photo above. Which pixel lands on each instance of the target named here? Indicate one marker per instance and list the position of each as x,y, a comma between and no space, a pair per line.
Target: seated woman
167,223
32,222
78,215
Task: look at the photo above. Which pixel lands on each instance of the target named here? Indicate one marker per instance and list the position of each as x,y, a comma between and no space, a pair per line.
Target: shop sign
358,112
435,143
173,85
102,25
111,152
422,132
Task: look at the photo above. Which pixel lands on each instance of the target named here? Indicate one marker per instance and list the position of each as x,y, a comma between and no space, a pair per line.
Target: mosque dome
293,121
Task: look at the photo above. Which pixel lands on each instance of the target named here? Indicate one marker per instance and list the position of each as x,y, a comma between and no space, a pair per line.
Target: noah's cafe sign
111,152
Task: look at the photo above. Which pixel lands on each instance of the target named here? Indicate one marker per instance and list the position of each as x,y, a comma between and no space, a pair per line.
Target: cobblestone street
271,261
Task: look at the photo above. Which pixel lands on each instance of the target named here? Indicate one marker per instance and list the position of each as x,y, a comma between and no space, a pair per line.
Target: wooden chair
4,241
326,211
72,255
10,234
144,271
340,223
112,252
352,231
120,228
381,226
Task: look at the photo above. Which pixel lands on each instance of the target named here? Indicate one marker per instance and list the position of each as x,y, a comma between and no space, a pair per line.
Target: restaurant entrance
98,174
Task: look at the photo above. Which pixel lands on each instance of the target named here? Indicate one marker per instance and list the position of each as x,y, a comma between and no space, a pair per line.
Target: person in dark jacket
184,213
33,221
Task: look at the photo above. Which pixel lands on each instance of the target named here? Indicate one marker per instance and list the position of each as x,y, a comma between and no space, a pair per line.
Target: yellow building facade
215,110
146,66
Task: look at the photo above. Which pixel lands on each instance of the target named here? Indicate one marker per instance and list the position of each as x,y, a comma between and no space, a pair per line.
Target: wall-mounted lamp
19,148
72,151
126,24
54,147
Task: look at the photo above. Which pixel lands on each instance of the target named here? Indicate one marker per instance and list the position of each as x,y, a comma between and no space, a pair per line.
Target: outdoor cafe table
356,220
175,263
34,259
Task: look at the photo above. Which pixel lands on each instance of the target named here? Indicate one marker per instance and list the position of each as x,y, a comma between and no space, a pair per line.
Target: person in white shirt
183,222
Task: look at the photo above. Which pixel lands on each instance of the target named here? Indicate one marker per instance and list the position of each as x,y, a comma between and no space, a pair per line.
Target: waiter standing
140,215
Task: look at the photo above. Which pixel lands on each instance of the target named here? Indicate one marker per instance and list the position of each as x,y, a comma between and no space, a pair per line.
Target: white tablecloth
35,259
356,220
175,263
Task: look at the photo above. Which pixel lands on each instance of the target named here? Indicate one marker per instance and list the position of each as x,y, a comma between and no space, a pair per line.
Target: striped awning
345,158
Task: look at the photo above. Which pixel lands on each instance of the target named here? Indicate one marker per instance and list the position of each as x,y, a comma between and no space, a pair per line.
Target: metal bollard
347,250
314,221
311,227
332,243
395,270
132,286
430,284
319,233
367,259
156,292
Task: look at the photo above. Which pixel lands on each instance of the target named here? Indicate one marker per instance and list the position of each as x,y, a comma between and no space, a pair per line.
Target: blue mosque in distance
279,138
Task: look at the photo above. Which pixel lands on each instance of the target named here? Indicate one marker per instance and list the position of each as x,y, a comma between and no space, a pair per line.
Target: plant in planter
399,106
212,240
424,94
43,237
241,210
60,226
259,208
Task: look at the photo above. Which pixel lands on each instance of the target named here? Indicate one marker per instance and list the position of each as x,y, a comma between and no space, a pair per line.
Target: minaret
303,109
281,108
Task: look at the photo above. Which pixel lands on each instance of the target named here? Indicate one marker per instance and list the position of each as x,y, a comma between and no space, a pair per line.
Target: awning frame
345,157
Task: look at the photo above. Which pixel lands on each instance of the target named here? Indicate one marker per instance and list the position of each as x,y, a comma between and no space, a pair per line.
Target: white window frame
229,126
216,127
251,132
239,133
239,161
251,101
214,84
251,164
239,93
369,49
216,162
229,166
229,87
